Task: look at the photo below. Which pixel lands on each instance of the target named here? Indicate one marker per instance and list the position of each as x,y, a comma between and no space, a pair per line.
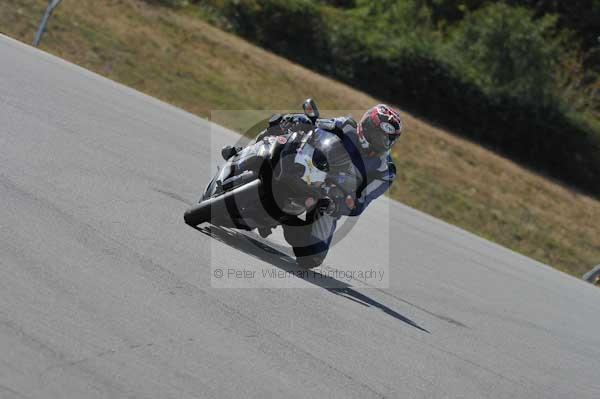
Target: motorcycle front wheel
223,206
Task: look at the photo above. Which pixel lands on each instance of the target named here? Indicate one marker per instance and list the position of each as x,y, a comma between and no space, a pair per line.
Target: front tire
224,207
197,214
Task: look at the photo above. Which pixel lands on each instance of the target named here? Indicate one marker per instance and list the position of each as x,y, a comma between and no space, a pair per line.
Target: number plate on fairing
312,175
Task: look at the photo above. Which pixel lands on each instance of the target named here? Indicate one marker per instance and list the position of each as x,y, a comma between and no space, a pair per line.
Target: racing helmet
379,128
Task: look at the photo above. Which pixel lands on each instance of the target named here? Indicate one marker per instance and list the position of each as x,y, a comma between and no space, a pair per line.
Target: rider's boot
309,262
264,232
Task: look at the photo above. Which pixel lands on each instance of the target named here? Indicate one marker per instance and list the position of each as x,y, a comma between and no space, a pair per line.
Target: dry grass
175,56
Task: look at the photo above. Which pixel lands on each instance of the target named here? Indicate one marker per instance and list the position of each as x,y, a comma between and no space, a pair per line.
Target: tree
504,48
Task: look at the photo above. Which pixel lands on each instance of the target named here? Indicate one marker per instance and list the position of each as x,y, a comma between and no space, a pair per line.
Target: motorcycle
294,170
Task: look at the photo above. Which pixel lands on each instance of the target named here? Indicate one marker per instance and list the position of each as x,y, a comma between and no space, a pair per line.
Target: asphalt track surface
106,293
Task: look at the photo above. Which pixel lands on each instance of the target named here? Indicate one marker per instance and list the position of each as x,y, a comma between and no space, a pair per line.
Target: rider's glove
327,206
336,207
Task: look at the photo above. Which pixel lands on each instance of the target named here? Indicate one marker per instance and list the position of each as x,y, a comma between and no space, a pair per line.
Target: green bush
540,135
171,3
492,81
579,16
288,27
340,3
503,49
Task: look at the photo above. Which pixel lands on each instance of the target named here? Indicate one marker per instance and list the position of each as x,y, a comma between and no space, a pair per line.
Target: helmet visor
382,142
391,139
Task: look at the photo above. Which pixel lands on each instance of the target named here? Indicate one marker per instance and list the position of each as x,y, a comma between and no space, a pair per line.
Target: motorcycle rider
368,143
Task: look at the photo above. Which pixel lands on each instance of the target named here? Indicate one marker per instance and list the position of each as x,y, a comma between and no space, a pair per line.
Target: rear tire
309,262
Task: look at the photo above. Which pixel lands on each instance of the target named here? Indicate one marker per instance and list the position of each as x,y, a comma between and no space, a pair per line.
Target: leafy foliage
172,3
497,73
290,27
503,48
